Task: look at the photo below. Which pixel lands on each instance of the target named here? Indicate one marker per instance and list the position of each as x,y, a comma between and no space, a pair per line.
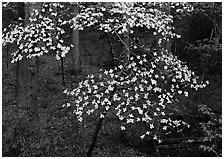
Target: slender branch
122,41
215,152
213,21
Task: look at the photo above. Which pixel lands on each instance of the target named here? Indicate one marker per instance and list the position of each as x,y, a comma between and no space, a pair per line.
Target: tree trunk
33,86
76,66
99,125
113,58
7,56
126,48
27,75
22,73
95,135
62,71
21,93
26,86
33,73
22,84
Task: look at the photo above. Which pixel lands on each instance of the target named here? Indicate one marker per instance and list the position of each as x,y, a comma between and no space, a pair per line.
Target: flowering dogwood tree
144,86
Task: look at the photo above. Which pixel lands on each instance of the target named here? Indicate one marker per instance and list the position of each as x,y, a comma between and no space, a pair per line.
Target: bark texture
76,66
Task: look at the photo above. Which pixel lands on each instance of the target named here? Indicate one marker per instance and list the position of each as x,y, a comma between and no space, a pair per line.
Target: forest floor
58,133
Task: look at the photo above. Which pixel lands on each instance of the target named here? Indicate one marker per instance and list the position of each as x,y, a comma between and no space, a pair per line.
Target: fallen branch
173,143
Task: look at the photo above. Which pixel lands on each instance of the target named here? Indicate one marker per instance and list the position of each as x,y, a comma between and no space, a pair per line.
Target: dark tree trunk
26,85
7,56
62,71
33,86
33,71
99,125
22,83
27,74
114,61
95,135
76,66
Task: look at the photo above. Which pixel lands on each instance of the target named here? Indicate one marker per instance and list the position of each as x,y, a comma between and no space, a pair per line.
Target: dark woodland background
57,133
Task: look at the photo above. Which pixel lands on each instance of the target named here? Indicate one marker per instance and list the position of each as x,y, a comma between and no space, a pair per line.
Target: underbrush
58,133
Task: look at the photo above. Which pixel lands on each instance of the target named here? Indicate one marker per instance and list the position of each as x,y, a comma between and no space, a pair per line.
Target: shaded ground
57,132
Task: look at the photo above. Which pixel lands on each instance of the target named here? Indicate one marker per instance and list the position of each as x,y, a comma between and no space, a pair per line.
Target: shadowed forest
111,79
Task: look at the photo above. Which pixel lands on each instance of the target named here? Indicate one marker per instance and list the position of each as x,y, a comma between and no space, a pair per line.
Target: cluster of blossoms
39,36
45,29
123,17
141,90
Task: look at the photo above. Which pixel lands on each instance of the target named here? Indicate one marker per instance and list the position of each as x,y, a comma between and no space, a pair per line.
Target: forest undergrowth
58,133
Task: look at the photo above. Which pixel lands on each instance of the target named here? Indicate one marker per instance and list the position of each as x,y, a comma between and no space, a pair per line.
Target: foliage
43,33
212,129
200,45
108,17
148,83
208,53
45,30
138,91
144,88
